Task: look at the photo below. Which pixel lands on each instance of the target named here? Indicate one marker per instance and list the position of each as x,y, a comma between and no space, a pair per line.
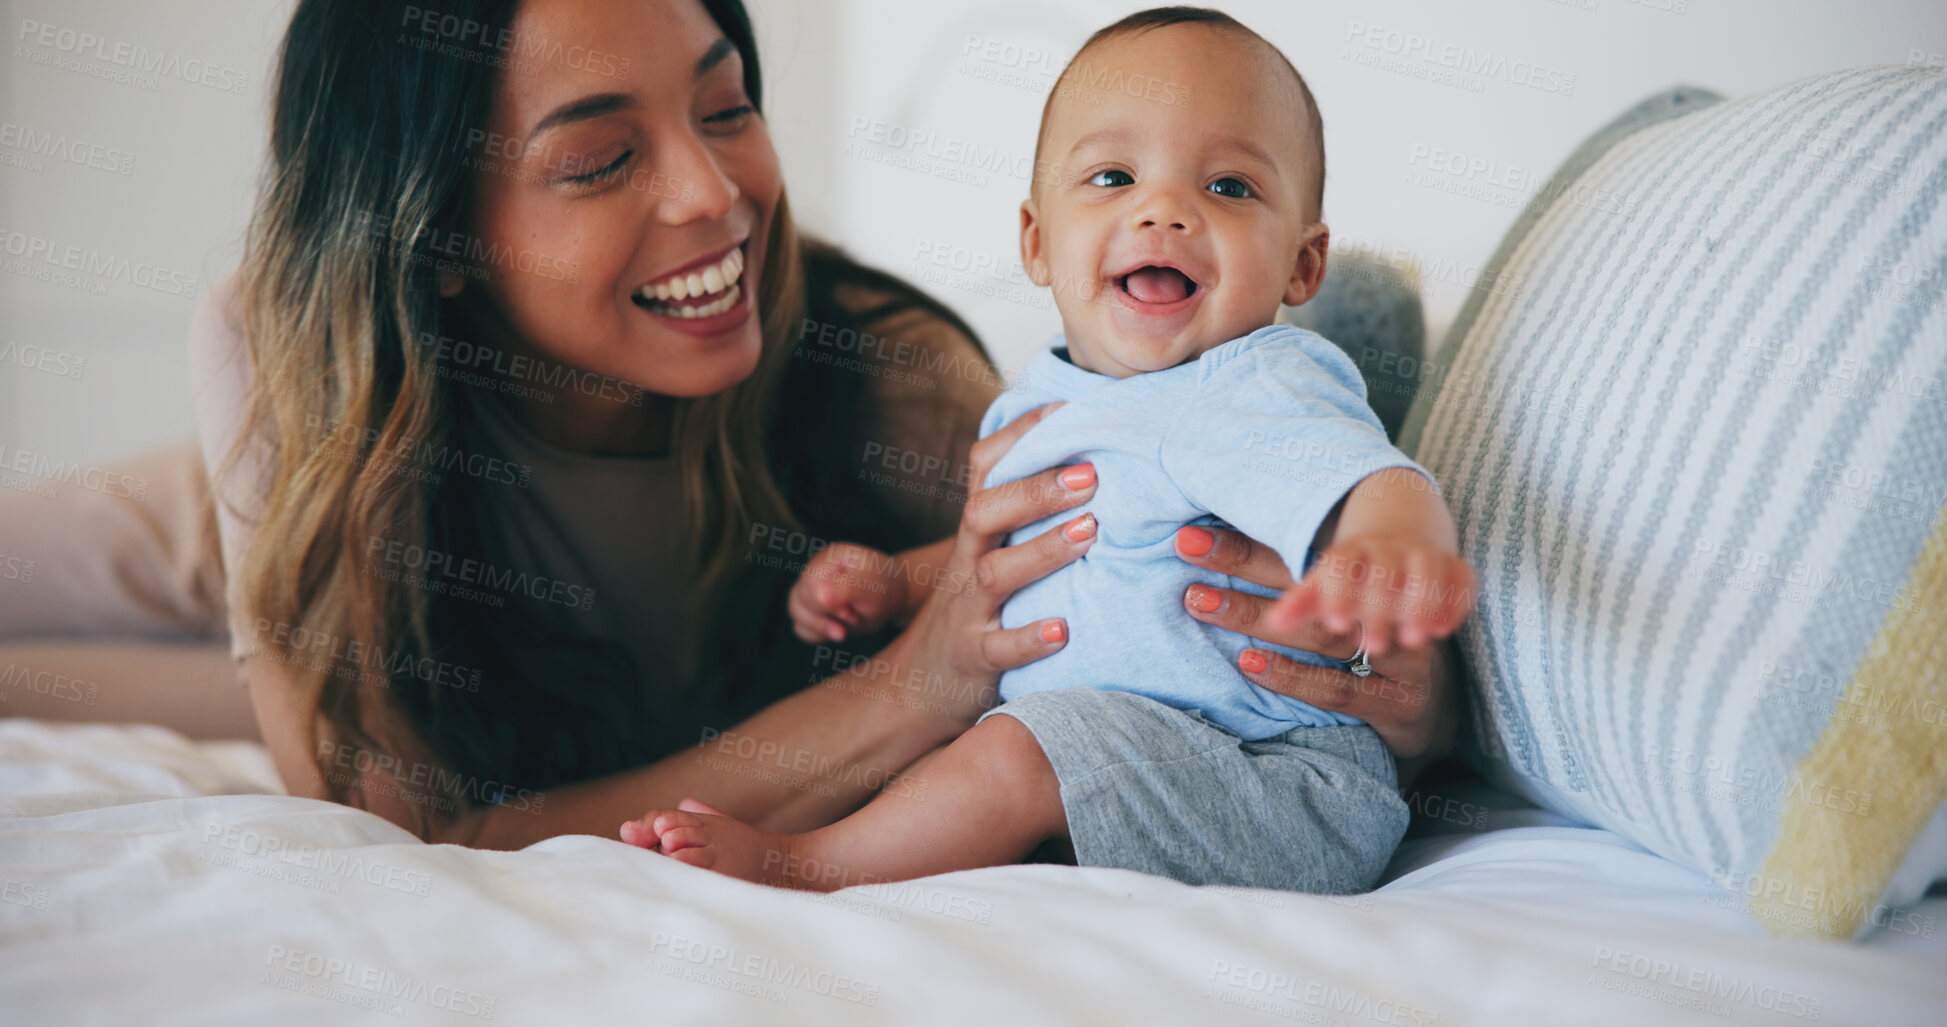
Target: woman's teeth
704,293
710,309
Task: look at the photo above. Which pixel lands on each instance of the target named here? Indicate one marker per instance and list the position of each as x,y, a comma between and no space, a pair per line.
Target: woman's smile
705,297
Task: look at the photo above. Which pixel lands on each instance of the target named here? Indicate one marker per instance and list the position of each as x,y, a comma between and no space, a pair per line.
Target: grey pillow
1373,313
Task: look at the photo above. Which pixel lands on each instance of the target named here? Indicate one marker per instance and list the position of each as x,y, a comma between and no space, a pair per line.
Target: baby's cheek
1251,290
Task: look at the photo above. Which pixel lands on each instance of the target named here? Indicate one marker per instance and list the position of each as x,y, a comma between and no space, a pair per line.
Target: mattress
146,878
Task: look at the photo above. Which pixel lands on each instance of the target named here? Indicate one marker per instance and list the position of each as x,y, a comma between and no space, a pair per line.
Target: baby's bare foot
705,837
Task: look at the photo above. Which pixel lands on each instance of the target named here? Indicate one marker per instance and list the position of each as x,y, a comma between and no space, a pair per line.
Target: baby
1170,224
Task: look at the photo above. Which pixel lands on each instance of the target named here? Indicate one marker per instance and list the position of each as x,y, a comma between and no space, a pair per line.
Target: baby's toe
639,833
678,839
667,820
702,857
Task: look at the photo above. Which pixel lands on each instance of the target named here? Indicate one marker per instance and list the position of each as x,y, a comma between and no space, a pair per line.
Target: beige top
608,532
220,377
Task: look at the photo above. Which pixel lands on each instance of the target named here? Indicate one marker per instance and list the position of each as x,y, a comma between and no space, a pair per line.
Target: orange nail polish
1195,541
1081,529
1202,600
1078,477
1054,631
1252,661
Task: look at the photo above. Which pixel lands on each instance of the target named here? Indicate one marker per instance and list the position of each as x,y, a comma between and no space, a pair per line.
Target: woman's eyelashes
602,174
731,117
726,121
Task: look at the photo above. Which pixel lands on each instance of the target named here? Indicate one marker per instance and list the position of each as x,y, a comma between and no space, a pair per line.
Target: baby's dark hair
1159,17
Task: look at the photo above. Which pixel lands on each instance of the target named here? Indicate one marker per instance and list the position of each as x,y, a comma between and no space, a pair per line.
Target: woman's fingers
1003,508
1006,649
1247,614
1001,572
1392,700
1227,552
957,629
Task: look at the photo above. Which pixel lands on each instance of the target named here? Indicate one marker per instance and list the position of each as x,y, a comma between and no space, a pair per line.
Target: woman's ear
450,284
1308,271
1032,258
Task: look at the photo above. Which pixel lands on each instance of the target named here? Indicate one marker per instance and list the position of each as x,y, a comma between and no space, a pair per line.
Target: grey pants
1152,788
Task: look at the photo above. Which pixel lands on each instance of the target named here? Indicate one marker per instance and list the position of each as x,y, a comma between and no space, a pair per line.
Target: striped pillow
1696,442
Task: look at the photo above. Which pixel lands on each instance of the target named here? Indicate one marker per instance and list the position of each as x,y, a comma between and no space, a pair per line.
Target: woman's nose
696,186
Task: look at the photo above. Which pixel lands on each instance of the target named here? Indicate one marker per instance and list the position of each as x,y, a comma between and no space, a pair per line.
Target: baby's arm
1282,445
1389,560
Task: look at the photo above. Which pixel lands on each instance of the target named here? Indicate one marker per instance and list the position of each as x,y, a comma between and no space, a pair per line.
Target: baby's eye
1112,178
1231,188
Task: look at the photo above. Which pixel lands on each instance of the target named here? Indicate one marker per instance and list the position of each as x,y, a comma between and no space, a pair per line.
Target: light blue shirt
1265,433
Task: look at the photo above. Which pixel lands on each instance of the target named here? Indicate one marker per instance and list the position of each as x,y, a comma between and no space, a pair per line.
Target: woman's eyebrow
715,55
598,104
592,106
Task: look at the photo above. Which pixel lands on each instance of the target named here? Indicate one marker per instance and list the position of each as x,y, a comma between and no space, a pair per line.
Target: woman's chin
691,371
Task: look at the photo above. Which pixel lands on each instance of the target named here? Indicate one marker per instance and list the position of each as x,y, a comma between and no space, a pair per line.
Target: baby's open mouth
1153,284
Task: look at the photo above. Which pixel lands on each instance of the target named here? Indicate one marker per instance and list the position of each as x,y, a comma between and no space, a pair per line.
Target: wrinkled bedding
150,879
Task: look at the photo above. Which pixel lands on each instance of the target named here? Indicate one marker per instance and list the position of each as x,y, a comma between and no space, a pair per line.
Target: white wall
839,70
191,153
908,65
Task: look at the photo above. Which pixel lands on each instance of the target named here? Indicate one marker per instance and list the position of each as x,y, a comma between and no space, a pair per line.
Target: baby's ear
1308,271
1032,258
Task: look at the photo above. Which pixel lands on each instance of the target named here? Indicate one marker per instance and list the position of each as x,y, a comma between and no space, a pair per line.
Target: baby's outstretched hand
846,588
1398,588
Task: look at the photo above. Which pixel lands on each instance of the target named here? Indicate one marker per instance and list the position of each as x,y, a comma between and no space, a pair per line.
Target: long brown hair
368,163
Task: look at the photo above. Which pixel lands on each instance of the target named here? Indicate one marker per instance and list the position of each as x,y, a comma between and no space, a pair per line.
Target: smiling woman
461,579
712,190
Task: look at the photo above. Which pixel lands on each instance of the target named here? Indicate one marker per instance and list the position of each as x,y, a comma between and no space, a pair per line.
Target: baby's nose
1163,210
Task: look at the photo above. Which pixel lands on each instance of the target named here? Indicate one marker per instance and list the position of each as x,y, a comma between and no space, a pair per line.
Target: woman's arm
815,756
802,762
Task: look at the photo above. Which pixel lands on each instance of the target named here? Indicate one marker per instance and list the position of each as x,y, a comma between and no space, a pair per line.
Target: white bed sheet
139,886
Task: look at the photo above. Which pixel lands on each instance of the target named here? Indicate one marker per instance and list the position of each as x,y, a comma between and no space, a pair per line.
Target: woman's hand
956,639
1409,698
